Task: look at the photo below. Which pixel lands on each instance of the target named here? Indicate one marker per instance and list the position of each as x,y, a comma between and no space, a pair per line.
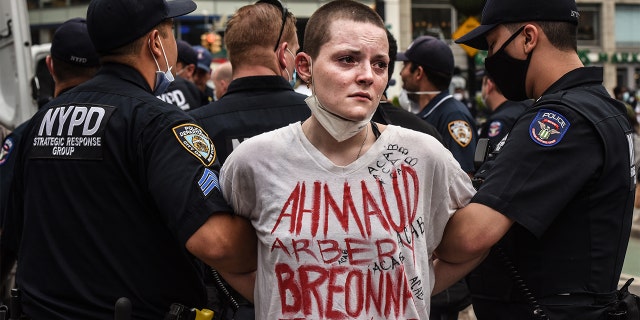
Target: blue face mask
163,78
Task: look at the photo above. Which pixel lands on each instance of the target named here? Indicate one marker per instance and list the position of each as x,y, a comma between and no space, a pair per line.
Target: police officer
260,97
202,73
426,75
73,60
502,112
559,194
182,92
117,189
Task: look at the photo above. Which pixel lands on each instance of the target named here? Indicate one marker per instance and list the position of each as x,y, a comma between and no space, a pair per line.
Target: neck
340,153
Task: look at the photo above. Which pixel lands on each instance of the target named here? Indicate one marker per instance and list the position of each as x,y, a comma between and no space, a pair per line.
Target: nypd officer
117,189
502,112
73,60
558,197
426,75
182,92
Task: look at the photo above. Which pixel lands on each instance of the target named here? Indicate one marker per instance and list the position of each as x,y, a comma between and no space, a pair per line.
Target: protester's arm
470,232
228,243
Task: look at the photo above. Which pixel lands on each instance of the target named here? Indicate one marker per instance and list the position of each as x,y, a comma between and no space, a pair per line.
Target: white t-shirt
345,242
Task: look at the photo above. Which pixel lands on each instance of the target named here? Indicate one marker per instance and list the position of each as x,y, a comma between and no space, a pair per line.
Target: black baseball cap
430,53
186,53
114,23
71,44
498,12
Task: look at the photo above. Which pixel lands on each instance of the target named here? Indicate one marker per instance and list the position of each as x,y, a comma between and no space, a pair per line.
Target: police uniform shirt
252,105
182,93
387,113
501,120
569,189
114,183
456,125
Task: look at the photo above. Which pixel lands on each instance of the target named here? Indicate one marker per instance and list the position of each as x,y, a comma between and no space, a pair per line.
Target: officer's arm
226,242
470,232
446,274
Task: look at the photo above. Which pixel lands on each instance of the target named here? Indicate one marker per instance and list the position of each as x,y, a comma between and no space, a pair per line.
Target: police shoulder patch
196,141
548,127
495,127
7,147
461,132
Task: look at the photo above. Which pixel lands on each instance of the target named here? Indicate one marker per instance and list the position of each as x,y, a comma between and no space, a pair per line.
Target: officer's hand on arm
228,243
470,232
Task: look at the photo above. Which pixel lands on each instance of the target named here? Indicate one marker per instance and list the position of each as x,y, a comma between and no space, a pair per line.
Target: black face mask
509,74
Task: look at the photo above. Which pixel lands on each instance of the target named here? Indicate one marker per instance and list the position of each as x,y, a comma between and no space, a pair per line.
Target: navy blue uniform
111,183
501,120
565,176
184,94
252,105
456,125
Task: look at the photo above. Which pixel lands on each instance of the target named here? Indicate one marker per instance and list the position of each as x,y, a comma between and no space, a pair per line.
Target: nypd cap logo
548,128
196,141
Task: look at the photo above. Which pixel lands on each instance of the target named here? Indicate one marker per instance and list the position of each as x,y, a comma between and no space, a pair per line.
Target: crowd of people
294,189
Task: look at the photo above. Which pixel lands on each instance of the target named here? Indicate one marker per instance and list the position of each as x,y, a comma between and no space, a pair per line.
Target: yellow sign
468,25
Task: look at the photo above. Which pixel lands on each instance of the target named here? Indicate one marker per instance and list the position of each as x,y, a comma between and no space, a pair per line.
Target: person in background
426,75
72,61
347,211
556,201
182,92
187,60
221,77
387,113
202,74
115,191
261,42
502,112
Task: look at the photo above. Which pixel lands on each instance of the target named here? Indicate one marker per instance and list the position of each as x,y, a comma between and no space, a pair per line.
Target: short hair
440,80
134,47
315,34
65,71
254,29
562,35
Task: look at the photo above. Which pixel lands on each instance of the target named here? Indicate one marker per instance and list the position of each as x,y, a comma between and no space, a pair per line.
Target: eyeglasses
285,12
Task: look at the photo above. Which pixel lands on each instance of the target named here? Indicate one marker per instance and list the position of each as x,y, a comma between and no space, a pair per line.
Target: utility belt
181,312
122,310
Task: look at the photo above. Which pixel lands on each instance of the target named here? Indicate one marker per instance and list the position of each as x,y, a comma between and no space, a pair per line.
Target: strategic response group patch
548,128
196,141
71,132
460,132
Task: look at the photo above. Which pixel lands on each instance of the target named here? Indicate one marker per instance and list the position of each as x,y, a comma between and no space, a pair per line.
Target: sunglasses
284,11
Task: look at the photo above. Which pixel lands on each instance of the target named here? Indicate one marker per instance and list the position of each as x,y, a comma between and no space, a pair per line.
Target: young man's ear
304,67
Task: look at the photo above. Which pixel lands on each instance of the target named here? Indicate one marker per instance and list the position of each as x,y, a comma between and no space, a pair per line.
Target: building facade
606,37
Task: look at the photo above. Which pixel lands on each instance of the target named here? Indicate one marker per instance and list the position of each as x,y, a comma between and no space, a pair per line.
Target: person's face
184,71
200,78
497,37
350,72
170,47
408,81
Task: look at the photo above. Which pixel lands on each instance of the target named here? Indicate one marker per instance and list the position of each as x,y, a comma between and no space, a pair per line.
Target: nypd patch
196,141
6,150
461,132
548,128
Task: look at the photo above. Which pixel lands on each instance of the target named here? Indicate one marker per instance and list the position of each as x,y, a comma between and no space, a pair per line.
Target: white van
16,96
